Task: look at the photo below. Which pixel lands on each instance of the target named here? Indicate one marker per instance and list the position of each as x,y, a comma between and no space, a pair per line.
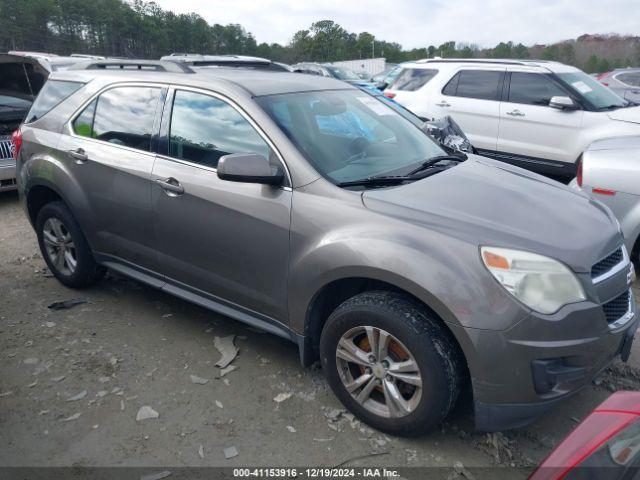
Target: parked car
305,207
610,172
387,76
548,113
443,130
242,61
21,78
624,81
52,62
605,445
331,71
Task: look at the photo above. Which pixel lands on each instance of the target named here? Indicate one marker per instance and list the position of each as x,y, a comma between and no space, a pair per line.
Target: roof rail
476,60
142,65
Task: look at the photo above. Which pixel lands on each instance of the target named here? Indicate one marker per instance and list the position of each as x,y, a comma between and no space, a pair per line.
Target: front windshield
342,73
596,94
349,135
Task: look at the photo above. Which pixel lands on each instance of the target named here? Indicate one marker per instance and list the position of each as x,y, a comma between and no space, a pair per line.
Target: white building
370,65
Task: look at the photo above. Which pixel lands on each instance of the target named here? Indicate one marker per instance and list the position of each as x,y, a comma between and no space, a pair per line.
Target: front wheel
390,362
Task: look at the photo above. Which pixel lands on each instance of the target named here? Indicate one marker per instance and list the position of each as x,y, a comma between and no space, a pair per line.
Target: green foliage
142,29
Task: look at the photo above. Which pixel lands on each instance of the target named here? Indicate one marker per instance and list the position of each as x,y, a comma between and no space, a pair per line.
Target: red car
605,446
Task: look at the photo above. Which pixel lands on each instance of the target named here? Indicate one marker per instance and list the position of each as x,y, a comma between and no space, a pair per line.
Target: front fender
444,273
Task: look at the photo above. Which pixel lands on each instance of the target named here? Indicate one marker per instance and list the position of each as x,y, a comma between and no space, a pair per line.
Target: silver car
610,173
625,82
306,207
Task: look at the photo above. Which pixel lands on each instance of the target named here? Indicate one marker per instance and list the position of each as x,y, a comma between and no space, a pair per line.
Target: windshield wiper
377,181
614,106
437,159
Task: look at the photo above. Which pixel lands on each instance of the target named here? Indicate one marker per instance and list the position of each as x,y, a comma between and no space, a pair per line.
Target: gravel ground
73,381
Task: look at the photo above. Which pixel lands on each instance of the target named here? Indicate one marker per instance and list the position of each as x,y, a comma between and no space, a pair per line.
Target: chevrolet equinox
308,208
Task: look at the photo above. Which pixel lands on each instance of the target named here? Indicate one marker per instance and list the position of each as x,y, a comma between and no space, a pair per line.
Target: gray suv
306,207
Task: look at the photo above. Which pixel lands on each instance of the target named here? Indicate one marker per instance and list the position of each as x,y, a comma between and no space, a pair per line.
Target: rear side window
121,116
480,84
533,89
205,128
632,78
52,94
411,79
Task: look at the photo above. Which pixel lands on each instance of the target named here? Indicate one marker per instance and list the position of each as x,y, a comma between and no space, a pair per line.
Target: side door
472,99
109,148
226,241
533,134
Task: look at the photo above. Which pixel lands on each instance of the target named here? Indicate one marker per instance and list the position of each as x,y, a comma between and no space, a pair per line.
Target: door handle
443,103
171,186
515,113
79,155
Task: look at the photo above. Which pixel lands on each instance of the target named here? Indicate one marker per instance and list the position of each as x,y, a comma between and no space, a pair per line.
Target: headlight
541,283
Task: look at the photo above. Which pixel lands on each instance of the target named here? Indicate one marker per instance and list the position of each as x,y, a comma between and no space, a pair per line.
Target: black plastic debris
66,304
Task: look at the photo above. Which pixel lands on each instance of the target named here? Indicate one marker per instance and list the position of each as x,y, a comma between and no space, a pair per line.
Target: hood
487,202
21,77
629,114
616,143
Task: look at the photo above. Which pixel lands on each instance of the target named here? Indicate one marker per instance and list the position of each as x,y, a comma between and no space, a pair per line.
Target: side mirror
249,168
562,103
381,85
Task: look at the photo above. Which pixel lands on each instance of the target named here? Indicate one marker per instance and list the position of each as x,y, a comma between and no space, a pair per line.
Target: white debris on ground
145,413
281,397
227,349
199,380
77,396
230,452
75,416
229,369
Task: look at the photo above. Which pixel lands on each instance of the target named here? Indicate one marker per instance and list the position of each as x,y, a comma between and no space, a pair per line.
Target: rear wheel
390,362
64,248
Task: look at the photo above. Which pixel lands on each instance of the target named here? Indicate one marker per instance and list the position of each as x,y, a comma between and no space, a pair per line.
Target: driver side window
533,89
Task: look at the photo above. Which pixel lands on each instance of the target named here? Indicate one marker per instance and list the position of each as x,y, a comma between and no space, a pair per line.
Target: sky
419,23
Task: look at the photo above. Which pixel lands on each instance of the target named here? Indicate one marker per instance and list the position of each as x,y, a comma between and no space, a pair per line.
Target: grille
6,149
607,263
616,308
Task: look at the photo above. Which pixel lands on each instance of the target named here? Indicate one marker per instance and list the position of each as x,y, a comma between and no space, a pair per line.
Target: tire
420,335
86,271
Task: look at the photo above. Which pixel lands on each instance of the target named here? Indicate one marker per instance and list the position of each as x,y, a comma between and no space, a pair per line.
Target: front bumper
7,174
521,372
504,416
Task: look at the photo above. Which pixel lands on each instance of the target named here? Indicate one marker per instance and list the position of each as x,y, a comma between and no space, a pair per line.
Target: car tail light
389,94
16,139
613,425
579,173
604,191
605,84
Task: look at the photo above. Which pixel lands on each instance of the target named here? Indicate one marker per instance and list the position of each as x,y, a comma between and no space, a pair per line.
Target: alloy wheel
379,371
59,246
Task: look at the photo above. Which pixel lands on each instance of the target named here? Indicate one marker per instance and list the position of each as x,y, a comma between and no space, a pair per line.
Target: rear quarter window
51,95
411,79
632,79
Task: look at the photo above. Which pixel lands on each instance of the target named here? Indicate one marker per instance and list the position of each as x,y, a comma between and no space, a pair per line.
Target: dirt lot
130,346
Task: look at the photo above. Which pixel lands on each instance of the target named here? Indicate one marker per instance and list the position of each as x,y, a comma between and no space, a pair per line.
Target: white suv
535,114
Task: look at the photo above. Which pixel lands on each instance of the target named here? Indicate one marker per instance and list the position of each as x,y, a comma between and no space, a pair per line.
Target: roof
547,64
254,82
